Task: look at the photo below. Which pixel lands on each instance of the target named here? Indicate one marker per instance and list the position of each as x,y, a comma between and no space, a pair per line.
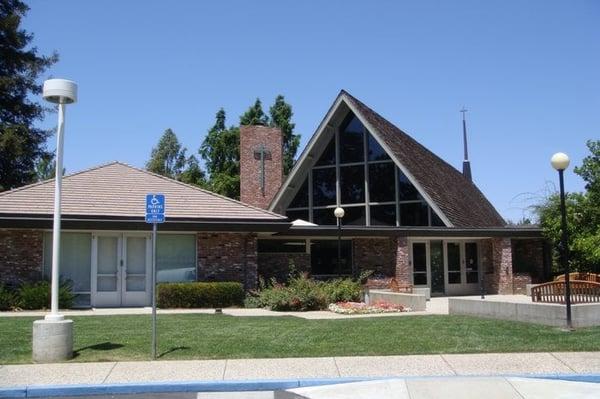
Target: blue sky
529,73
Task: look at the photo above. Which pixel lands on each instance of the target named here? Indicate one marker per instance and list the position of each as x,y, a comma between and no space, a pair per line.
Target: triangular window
372,190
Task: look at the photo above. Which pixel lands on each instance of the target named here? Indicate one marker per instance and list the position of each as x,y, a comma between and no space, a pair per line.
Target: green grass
194,336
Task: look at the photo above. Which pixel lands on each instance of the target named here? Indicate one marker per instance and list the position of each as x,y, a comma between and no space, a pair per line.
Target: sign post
155,213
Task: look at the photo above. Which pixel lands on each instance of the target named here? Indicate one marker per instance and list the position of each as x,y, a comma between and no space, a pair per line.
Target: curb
33,391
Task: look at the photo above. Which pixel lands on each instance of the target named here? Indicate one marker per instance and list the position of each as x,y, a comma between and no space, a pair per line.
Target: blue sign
155,208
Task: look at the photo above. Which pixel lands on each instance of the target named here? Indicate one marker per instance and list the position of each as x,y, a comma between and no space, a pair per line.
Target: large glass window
381,182
385,193
324,186
75,262
176,257
352,184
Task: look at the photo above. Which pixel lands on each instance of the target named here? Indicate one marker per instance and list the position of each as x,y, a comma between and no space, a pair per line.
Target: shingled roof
456,196
119,190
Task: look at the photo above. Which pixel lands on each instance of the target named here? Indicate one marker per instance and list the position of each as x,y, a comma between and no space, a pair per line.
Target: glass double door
121,266
447,267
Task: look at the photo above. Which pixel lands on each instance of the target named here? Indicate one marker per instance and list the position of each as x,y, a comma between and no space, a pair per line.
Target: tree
281,117
220,151
583,216
168,157
21,144
193,174
45,168
254,115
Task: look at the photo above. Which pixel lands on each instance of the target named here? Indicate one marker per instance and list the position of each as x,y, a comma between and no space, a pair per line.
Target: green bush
34,296
303,293
8,298
200,295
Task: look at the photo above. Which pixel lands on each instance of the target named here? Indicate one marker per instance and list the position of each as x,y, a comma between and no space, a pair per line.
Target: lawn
194,336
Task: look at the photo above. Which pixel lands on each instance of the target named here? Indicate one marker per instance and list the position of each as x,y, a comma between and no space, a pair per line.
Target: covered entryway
121,269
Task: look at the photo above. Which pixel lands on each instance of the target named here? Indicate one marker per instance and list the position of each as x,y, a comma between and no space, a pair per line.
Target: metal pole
339,254
481,284
154,290
54,315
564,253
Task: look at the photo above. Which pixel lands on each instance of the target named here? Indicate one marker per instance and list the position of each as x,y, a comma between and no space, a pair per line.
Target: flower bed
363,308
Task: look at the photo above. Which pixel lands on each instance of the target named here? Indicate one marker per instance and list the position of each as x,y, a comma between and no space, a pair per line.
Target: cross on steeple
261,153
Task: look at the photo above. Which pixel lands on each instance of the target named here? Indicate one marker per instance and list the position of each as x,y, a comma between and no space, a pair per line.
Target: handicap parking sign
155,208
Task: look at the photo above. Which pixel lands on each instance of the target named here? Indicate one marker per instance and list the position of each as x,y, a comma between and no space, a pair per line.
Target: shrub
303,293
200,295
8,298
34,296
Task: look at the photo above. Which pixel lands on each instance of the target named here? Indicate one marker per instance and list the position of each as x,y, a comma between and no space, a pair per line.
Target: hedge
200,295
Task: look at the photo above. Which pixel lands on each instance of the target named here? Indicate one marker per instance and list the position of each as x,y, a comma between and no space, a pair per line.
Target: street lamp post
339,214
53,336
560,162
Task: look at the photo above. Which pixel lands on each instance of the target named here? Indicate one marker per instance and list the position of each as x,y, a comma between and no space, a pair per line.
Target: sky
527,71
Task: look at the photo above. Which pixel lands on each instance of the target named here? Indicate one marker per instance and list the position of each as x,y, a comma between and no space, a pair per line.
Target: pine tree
281,117
193,174
45,168
254,115
21,143
168,157
220,151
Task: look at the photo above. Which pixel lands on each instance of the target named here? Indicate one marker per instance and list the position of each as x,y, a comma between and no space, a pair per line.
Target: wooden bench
580,276
554,292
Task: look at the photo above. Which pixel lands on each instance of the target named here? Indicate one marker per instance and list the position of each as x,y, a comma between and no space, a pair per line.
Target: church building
407,214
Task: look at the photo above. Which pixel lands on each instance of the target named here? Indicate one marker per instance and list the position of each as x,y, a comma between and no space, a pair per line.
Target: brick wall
278,265
21,256
377,254
498,280
251,138
227,257
402,264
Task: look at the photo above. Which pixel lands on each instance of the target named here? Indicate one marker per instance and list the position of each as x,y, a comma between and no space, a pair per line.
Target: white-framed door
447,267
121,268
462,267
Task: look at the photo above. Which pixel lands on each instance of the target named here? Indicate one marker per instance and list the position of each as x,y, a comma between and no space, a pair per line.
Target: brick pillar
403,269
254,141
502,261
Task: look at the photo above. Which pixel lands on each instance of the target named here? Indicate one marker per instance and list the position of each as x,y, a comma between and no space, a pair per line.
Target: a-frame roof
456,199
119,190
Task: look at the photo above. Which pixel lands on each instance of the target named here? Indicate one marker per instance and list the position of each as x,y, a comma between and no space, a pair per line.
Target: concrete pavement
301,368
457,387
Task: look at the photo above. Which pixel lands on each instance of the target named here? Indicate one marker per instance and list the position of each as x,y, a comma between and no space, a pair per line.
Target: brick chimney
261,164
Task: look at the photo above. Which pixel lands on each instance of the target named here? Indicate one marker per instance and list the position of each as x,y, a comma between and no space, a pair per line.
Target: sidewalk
301,368
434,306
